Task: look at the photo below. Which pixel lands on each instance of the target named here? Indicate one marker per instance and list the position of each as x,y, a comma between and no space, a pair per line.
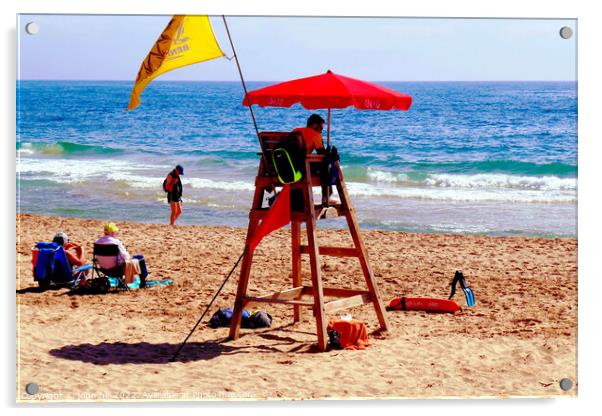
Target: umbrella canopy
329,90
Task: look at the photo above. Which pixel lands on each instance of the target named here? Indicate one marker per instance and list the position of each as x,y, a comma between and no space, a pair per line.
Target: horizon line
259,80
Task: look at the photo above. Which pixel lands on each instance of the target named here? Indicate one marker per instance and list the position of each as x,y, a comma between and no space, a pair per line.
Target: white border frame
590,139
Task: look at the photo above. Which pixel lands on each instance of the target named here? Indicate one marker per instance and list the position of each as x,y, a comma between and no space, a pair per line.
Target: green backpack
287,159
285,167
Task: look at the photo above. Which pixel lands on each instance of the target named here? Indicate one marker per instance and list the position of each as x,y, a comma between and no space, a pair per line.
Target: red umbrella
329,90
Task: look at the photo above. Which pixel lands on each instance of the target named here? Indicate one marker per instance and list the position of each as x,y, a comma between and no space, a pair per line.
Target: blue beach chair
52,266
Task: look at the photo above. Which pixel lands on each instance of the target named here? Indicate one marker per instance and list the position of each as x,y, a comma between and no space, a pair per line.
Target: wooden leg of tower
296,255
363,255
314,261
316,281
245,268
243,283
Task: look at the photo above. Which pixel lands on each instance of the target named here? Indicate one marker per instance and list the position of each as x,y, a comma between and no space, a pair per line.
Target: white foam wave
450,194
376,175
217,184
26,149
477,181
126,172
542,183
442,187
64,170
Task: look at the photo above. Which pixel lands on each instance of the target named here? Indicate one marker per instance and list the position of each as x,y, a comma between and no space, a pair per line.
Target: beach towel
86,283
352,335
136,283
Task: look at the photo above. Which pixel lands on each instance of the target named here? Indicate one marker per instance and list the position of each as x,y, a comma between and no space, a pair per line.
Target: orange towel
353,334
132,268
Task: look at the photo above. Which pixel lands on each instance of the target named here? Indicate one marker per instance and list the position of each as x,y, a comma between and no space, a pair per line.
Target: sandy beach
519,340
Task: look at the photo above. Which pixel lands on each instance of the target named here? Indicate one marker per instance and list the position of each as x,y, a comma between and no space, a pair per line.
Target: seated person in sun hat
131,266
73,251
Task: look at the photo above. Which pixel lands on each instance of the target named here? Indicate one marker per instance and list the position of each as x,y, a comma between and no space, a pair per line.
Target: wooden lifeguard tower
267,180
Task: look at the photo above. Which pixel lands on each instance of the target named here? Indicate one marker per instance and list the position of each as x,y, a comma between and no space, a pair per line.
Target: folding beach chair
50,266
104,276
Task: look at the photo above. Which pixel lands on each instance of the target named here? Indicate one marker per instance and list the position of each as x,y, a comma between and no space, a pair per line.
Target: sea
492,158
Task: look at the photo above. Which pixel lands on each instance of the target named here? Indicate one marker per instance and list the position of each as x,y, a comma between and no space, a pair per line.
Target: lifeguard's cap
110,227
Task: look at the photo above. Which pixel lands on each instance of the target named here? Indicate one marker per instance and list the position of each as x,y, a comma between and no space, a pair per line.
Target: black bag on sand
260,319
335,339
223,317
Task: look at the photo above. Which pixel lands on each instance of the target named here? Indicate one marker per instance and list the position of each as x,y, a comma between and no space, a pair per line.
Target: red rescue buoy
423,304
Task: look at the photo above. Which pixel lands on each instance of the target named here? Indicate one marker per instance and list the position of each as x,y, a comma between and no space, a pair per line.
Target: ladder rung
344,303
333,251
252,299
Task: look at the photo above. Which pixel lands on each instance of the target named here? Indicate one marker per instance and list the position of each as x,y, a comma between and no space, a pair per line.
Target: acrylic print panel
478,175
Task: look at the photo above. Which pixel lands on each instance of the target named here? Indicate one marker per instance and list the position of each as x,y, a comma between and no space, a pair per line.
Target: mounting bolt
566,32
32,28
31,388
566,384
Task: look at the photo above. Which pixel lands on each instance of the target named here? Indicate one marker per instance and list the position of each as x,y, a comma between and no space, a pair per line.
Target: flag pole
244,85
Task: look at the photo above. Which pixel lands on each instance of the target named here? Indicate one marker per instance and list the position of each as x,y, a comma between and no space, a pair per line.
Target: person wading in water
173,186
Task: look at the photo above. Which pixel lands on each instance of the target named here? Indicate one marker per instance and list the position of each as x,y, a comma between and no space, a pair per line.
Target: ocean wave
71,171
134,175
64,148
358,166
219,184
543,183
379,184
136,181
476,181
154,182
461,195
66,170
376,175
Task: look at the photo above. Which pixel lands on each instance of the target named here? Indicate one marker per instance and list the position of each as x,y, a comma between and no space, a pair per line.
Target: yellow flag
185,41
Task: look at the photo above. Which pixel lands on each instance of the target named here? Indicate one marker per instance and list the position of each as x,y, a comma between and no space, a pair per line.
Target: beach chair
103,278
270,141
50,266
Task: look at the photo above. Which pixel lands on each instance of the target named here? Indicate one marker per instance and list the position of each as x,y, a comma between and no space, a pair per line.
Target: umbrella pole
328,140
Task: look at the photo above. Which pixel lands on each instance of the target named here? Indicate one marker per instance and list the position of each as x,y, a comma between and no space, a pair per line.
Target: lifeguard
312,134
312,137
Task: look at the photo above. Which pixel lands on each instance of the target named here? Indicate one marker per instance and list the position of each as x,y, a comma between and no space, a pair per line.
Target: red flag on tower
278,216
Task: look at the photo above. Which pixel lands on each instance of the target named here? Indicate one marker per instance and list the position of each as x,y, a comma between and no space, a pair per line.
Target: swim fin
470,302
468,293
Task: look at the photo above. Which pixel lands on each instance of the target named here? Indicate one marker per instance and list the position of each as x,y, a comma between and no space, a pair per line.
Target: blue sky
80,47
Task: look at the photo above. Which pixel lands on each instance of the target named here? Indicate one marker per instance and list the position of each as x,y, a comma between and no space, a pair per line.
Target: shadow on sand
67,291
37,289
146,353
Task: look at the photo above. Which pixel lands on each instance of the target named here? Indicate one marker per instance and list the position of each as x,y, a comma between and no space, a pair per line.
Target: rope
208,306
